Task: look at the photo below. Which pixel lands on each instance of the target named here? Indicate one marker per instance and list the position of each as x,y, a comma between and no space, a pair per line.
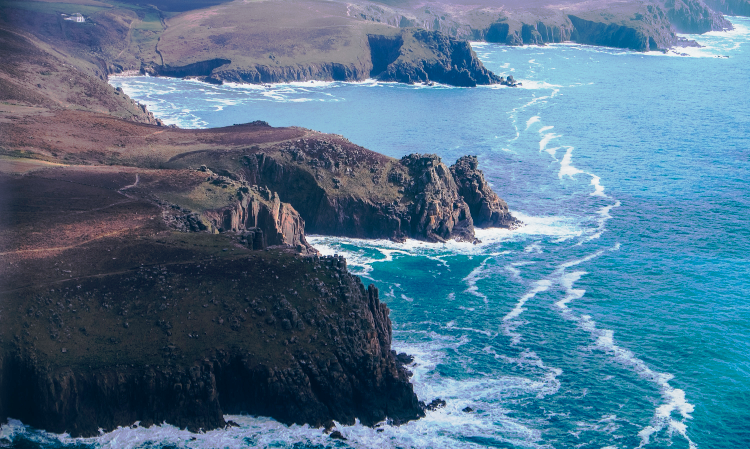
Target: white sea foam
598,187
513,270
566,167
535,247
560,227
477,274
552,151
510,324
539,85
546,139
531,121
603,217
673,399
545,129
451,325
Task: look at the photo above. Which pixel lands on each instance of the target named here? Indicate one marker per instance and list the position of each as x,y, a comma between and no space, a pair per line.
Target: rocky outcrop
694,16
118,318
260,211
634,25
262,73
315,350
428,56
416,197
614,35
438,212
537,33
201,69
730,7
409,56
487,209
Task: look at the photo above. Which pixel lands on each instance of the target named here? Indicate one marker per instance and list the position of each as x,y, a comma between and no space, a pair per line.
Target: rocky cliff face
119,318
428,56
538,32
730,7
618,36
262,73
638,26
341,189
437,212
410,56
256,210
694,16
259,354
487,209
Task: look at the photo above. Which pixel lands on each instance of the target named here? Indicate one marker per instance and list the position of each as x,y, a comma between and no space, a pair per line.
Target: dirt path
137,178
127,39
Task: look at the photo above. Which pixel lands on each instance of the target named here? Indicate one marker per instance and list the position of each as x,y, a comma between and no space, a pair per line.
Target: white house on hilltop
77,17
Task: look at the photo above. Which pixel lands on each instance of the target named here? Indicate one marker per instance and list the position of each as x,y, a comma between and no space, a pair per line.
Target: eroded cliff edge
157,274
176,284
300,40
113,316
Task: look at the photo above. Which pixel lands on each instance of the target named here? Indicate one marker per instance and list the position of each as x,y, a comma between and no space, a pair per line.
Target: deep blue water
618,317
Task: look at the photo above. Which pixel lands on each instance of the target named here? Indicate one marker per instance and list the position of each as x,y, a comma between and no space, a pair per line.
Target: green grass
150,22
55,8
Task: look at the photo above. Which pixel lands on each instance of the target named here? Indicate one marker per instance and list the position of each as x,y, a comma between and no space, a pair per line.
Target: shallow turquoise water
617,317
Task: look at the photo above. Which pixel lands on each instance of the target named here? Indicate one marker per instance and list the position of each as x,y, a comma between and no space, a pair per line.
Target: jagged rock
438,212
403,358
425,56
487,209
336,435
434,405
195,373
730,7
278,223
418,197
694,16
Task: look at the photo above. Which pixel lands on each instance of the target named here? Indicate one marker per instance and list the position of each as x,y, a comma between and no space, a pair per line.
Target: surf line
568,169
673,399
513,114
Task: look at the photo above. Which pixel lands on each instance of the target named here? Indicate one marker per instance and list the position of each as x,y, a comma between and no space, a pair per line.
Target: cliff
407,56
342,189
34,73
730,7
642,26
487,209
337,187
112,317
180,288
427,56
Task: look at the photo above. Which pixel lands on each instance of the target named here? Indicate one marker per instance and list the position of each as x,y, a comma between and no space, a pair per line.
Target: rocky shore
134,321
181,294
408,56
157,274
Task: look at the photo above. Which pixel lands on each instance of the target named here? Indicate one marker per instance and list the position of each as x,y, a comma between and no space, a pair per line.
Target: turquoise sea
618,317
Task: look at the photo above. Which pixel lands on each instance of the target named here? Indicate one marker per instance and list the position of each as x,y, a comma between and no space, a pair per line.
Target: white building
77,17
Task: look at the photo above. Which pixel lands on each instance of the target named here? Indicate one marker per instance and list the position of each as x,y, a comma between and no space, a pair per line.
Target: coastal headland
297,40
156,274
153,274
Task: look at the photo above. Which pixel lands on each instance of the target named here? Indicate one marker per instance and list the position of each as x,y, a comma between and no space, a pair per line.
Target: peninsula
156,274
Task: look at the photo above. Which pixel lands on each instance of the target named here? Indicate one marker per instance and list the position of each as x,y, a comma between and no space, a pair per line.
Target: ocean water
617,317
